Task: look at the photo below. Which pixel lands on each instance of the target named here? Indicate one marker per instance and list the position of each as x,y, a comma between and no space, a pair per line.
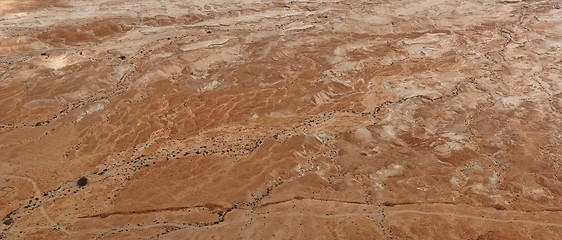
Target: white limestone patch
56,62
389,132
91,109
381,175
298,26
454,142
210,86
301,170
536,193
279,114
429,45
323,137
321,98
254,116
363,135
448,147
494,179
455,182
203,44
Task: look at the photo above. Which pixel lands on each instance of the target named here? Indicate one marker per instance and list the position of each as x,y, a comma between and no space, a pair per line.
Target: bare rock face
413,119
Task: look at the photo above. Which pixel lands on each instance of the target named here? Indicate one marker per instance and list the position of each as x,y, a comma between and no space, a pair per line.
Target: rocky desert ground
245,119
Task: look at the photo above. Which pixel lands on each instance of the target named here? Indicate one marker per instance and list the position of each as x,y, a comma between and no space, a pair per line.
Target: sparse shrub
82,181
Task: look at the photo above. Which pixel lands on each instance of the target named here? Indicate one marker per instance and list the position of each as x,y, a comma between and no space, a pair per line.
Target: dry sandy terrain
240,119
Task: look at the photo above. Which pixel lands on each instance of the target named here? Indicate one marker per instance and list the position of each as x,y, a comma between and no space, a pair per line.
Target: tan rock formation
415,119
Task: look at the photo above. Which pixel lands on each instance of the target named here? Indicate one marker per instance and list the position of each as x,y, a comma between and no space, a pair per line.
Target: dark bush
82,181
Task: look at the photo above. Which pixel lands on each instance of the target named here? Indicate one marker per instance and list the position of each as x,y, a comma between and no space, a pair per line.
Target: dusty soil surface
415,119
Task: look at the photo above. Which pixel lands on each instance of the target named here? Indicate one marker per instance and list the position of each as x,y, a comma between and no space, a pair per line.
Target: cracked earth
415,119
